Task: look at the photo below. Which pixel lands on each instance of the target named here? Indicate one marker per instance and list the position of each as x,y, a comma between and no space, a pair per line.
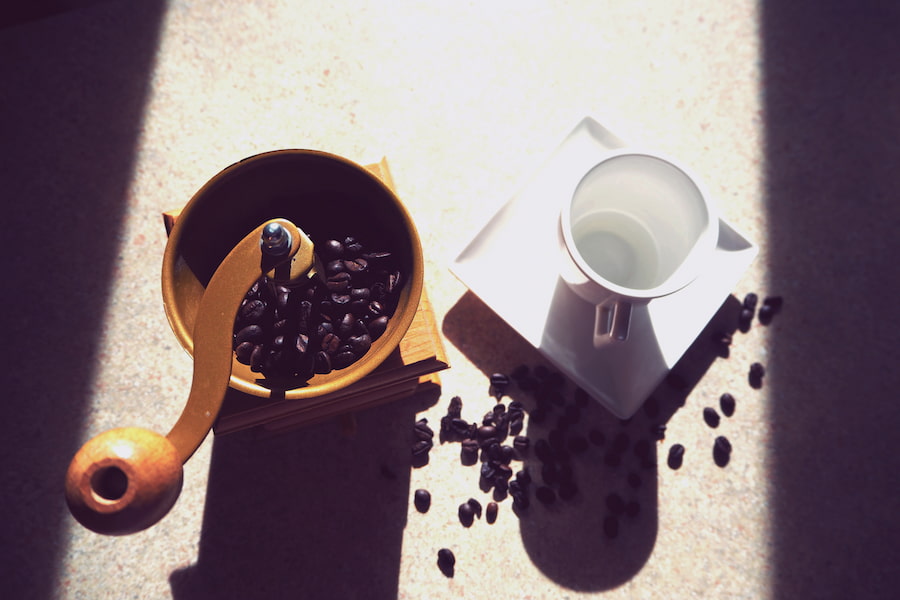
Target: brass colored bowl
324,195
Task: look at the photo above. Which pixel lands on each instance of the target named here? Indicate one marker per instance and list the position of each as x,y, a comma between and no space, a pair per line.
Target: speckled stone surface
114,112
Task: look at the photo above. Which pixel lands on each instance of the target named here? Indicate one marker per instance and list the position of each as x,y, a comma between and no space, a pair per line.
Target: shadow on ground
70,113
832,91
613,463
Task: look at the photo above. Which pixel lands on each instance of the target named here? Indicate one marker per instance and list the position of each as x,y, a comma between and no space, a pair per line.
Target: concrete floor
115,111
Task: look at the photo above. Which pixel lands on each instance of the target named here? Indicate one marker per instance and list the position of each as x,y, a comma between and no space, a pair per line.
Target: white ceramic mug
637,226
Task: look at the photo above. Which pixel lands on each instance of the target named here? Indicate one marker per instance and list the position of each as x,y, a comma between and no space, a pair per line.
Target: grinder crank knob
125,480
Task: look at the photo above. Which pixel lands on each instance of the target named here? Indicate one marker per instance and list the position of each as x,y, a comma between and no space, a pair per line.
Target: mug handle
612,322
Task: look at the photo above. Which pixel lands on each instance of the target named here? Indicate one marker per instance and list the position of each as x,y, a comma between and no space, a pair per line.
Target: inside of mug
636,219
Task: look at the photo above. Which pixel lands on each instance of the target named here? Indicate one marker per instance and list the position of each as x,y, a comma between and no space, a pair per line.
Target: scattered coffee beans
327,323
466,514
676,456
422,500
446,561
476,507
711,417
499,383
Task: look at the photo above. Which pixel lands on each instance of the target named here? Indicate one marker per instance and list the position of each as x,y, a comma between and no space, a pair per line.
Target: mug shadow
600,536
314,513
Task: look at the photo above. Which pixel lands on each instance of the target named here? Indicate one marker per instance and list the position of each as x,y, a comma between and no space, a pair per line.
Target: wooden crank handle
125,480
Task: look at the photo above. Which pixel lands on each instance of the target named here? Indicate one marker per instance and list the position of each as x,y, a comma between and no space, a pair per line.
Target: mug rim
689,268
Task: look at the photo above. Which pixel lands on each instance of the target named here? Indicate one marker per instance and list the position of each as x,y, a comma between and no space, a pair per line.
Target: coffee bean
750,301
745,320
244,351
491,512
422,500
454,409
485,434
250,333
377,327
466,514
755,375
611,526
775,302
676,456
711,417
727,404
766,314
476,507
330,249
421,447
721,451
446,562
499,383
523,477
252,310
468,453
658,432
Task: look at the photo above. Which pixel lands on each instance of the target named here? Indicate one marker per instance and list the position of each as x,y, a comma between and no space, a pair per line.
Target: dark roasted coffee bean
488,471
243,352
727,404
257,357
333,267
766,314
454,409
446,562
330,343
745,320
460,427
466,514
252,311
516,424
721,451
501,488
499,384
775,302
421,447
676,456
301,343
521,443
377,327
545,495
356,265
523,477
476,507
502,471
658,432
615,504
711,417
421,427
632,509
611,526
422,500
359,344
343,359
250,333
750,301
485,433
521,502
392,282
468,454
507,454
596,437
330,249
491,512
755,376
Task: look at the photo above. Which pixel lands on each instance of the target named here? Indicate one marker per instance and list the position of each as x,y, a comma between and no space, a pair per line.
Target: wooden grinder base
410,369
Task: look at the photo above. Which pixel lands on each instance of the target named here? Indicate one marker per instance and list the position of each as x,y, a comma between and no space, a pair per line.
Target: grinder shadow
315,513
602,535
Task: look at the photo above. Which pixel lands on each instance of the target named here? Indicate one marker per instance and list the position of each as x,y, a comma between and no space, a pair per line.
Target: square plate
513,262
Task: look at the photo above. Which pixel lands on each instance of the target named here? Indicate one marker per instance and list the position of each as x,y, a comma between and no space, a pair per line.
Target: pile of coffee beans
328,322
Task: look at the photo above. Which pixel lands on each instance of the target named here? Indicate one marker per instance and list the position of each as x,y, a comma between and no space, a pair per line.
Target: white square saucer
512,264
